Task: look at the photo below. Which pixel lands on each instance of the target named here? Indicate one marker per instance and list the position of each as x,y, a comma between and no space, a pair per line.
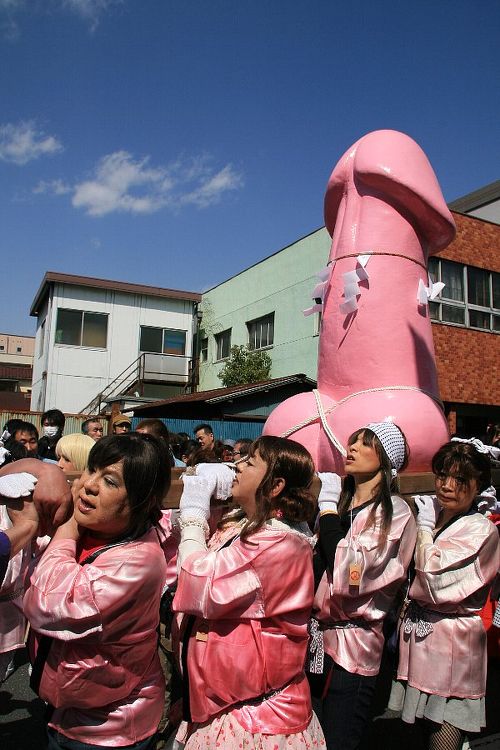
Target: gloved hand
428,511
329,495
17,485
487,501
223,476
195,498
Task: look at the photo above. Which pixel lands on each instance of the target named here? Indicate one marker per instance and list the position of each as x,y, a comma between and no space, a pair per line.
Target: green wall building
263,306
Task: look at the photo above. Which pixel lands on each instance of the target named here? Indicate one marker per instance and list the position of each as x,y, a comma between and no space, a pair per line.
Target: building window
163,341
223,343
471,296
2,348
261,332
19,349
204,350
80,328
42,339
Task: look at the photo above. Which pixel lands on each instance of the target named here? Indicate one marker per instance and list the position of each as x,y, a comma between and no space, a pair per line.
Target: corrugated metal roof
223,394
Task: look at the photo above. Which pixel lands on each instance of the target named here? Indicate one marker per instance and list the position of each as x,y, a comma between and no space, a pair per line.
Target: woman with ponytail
366,540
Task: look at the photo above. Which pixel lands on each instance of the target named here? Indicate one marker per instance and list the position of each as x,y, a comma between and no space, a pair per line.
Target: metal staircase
147,368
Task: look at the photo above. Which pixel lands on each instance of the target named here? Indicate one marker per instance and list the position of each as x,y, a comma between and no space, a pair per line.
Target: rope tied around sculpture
381,252
322,413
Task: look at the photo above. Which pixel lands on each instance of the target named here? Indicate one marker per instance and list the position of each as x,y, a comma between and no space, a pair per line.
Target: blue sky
176,143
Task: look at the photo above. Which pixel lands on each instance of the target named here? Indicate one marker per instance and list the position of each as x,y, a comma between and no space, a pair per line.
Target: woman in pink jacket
442,649
94,600
246,601
366,541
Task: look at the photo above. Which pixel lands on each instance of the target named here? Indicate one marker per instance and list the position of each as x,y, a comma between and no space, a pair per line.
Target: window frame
204,349
163,330
81,345
464,305
261,321
219,339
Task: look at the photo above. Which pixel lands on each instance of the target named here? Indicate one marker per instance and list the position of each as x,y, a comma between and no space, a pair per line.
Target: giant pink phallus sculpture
385,213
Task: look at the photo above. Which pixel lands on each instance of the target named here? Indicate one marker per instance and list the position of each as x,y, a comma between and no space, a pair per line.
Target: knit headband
392,441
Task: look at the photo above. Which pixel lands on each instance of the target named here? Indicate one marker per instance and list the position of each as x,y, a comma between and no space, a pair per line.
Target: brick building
466,325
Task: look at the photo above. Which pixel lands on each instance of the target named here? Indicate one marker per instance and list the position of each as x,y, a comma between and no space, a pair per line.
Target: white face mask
50,431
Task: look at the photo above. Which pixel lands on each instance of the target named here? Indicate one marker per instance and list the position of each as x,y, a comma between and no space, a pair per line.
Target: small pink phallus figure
385,213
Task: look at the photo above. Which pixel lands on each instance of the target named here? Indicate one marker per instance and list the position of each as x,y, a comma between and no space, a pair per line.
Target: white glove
223,476
428,511
487,501
195,498
331,485
17,485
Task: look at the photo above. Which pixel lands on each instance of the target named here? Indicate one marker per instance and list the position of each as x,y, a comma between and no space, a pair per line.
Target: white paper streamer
351,281
319,291
428,293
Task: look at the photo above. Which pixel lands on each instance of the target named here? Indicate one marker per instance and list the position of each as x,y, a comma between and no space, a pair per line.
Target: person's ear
278,486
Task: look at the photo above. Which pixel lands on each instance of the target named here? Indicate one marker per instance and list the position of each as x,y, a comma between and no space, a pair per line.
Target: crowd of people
279,599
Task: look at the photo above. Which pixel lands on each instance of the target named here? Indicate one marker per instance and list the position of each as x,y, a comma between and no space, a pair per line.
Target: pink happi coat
252,601
102,674
453,577
12,620
384,569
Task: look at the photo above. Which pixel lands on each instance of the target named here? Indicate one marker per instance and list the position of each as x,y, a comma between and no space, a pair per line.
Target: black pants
57,741
342,703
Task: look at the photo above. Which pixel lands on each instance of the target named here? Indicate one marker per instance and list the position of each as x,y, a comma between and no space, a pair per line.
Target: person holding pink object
442,647
366,541
245,601
94,601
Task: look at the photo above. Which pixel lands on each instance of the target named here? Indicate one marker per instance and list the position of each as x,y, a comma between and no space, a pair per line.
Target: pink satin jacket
252,601
383,570
12,620
102,674
453,576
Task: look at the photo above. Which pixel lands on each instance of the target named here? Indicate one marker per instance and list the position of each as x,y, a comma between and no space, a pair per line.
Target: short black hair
54,417
463,460
85,425
12,425
26,427
205,427
146,473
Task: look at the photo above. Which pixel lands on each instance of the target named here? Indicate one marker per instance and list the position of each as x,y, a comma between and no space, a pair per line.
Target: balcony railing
147,368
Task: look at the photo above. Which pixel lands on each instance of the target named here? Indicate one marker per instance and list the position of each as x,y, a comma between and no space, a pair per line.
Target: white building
483,203
96,339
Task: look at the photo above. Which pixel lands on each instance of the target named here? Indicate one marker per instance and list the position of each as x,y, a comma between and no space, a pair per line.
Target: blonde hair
75,448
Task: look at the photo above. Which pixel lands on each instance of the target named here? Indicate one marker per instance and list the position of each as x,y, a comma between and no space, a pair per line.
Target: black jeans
58,741
342,703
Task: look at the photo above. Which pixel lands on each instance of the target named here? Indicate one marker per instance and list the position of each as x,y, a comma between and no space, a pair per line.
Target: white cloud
212,188
122,184
22,142
54,187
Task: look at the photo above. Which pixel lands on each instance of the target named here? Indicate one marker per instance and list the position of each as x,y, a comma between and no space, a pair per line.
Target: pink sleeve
460,562
257,579
380,566
169,540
